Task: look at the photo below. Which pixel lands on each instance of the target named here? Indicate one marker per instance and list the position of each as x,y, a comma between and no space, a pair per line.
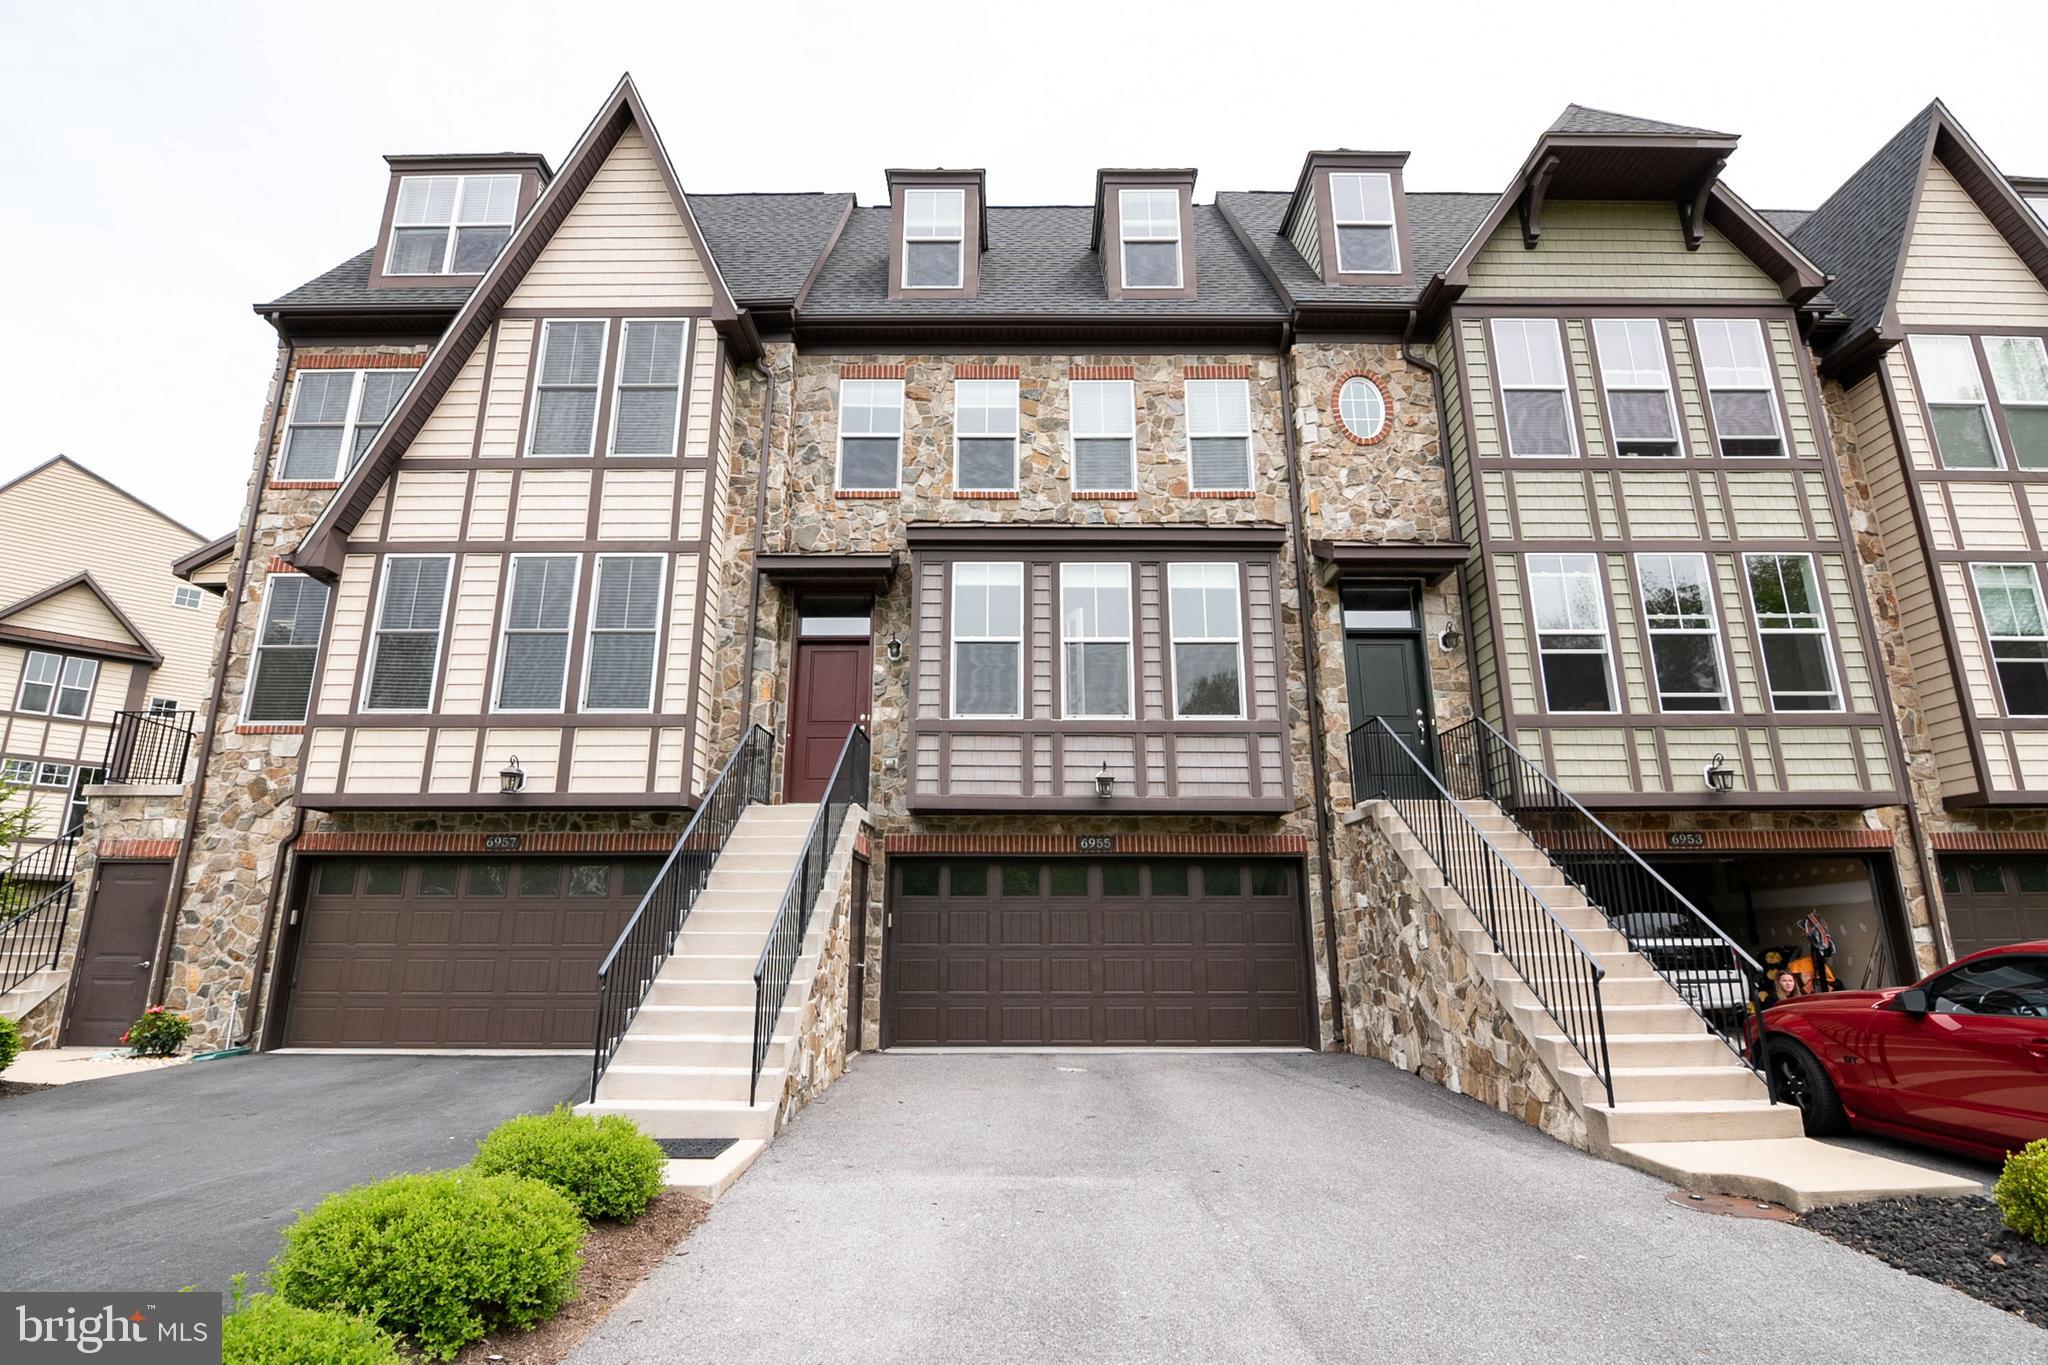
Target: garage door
469,953
1074,953
1994,901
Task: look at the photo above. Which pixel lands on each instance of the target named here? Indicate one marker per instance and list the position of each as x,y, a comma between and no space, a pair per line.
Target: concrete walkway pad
1799,1173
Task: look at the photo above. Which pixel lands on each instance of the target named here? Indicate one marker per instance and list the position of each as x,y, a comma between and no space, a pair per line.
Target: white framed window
2009,602
1362,409
1528,354
2019,370
1640,412
1362,211
564,420
1685,642
988,641
1148,224
451,224
74,814
625,633
985,435
1219,435
53,775
186,596
39,673
1208,641
533,638
1952,387
1104,419
1798,664
18,772
1740,388
335,415
287,643
1095,640
870,434
1570,610
934,238
164,706
74,687
405,649
647,408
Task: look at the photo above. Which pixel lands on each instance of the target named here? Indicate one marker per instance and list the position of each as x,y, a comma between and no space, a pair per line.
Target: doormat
693,1149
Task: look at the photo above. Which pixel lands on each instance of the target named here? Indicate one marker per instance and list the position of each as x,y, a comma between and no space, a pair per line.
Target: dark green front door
1384,673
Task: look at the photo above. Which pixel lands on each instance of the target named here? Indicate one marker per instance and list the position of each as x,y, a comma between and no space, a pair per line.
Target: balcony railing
149,746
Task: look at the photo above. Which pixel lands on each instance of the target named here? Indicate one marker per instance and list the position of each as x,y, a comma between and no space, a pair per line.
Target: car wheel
1800,1079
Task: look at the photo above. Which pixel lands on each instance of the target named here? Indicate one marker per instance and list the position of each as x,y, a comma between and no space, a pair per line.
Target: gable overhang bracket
1692,209
1532,202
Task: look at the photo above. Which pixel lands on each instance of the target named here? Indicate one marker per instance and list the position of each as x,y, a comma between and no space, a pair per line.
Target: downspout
270,913
1304,590
182,874
760,539
1443,427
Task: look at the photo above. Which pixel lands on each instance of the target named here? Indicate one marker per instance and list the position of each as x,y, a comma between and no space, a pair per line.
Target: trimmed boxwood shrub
440,1258
10,1042
2022,1191
265,1330
606,1165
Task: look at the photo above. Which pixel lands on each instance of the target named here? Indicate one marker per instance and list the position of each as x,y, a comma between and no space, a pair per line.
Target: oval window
1362,408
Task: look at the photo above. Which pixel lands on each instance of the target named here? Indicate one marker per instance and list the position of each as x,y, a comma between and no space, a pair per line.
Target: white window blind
1740,385
1362,210
934,232
1208,657
1528,354
1149,225
406,653
1219,435
647,409
870,433
451,224
335,415
1095,638
565,396
1638,385
533,659
625,624
1104,417
988,640
985,435
287,642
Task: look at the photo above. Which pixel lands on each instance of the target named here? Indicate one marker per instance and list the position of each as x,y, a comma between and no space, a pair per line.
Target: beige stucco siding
1960,271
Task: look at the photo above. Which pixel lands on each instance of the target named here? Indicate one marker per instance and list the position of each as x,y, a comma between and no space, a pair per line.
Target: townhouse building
1149,558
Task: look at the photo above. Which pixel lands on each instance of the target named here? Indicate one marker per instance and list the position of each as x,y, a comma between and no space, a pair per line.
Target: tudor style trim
140,649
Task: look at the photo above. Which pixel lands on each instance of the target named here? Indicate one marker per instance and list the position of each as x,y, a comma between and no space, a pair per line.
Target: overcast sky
174,163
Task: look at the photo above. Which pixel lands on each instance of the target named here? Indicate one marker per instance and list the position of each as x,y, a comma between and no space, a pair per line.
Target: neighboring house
1937,369
1144,536
94,625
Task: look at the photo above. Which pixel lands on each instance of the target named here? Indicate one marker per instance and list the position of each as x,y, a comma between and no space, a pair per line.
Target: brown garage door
1994,901
457,952
1075,953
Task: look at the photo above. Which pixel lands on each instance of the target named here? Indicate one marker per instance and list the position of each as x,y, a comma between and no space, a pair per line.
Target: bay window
1570,614
1798,666
988,640
1206,626
1685,647
1095,640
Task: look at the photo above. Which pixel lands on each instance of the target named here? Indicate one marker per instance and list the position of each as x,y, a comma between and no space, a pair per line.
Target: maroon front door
832,687
112,983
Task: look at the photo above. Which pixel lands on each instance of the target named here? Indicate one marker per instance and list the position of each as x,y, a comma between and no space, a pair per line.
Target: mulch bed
616,1257
9,1089
1962,1243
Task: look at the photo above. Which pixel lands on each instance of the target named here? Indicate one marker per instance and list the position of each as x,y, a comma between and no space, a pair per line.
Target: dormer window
934,232
451,224
1150,230
1362,209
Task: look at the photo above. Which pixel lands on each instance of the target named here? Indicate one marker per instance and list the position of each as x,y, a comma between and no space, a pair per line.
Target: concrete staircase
683,1068
1685,1106
32,991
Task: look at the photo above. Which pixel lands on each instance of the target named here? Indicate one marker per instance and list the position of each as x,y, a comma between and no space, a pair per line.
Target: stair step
1694,1121
700,939
634,1081
1636,1084
693,1118
1633,1050
639,1048
738,991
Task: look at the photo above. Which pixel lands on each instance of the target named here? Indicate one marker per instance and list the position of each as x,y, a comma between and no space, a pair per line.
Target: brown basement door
1992,901
458,953
1188,953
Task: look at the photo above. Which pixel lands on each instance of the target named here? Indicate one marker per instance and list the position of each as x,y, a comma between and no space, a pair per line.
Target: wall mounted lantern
512,778
895,650
1448,639
1720,777
1105,782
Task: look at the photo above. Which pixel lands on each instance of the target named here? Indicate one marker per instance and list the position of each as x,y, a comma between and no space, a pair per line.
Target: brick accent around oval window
1386,407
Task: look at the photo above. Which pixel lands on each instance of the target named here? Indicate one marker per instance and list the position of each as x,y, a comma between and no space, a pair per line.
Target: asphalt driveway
1036,1207
185,1176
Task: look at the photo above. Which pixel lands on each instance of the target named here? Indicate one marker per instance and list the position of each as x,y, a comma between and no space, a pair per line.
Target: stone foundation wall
820,1055
1413,998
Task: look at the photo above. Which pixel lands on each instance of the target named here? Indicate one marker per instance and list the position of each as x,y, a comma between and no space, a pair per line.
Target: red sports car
1957,1061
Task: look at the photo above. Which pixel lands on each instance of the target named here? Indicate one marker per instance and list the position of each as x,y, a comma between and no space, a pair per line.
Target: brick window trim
985,494
987,372
1991,841
873,372
867,494
279,564
257,728
361,362
151,849
1257,845
1106,495
1218,372
347,841
1223,492
1763,840
1337,407
305,483
1102,372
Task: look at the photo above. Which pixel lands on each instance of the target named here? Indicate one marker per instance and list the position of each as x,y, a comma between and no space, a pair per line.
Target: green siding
1613,251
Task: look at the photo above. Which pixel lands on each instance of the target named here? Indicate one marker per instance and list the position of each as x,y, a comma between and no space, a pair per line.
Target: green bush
265,1330
606,1165
158,1033
440,1258
10,1042
2022,1191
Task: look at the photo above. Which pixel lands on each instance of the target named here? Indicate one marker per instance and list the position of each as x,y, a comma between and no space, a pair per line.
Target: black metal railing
149,746
628,971
35,907
1559,969
777,963
1709,970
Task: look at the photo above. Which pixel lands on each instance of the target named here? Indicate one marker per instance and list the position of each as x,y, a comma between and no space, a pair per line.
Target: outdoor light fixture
1105,782
512,778
895,650
1448,639
1720,777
